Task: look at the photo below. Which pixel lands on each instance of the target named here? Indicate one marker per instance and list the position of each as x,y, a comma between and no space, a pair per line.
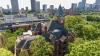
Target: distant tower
1,10
98,2
51,6
8,7
74,6
33,5
97,5
45,8
27,9
15,6
37,6
81,5
60,11
51,10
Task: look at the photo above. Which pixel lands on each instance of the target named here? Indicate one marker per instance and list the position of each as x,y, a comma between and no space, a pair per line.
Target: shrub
81,27
89,32
40,47
72,21
88,48
1,15
93,18
7,33
23,53
4,52
19,31
10,43
2,40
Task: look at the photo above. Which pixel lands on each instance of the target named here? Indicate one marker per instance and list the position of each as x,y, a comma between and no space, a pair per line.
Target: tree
81,27
7,37
40,47
10,43
75,23
7,33
93,18
89,32
19,31
4,52
1,15
2,40
23,53
72,21
88,48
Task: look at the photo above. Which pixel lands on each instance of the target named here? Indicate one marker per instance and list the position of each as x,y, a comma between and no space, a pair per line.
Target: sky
56,3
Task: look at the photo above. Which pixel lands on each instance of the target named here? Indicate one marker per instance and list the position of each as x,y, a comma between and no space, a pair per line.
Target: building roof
19,25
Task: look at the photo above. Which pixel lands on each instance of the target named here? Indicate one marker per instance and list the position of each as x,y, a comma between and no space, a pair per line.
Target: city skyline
56,3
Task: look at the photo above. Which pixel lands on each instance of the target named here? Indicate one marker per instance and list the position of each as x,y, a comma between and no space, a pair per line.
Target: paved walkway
24,41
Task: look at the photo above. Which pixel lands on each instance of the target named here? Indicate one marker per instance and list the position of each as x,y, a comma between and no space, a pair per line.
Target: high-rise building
89,7
97,5
51,6
27,9
15,6
81,5
22,10
37,6
8,7
74,6
45,8
33,5
51,10
1,10
98,2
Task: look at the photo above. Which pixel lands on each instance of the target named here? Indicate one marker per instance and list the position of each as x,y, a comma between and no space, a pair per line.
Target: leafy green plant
23,53
93,18
81,27
10,43
2,40
89,32
40,47
1,15
7,33
19,31
72,21
88,48
4,52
